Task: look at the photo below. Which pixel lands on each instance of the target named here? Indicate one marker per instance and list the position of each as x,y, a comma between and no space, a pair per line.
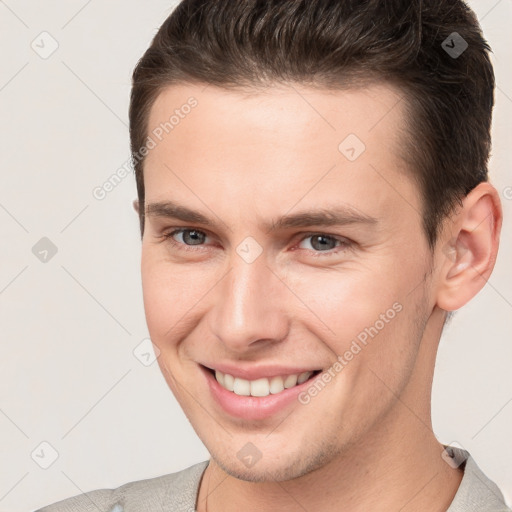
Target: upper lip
255,372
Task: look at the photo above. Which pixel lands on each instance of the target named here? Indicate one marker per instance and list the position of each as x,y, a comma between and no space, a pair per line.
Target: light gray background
68,375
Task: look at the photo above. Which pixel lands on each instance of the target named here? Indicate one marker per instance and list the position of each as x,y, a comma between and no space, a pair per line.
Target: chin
269,472
276,469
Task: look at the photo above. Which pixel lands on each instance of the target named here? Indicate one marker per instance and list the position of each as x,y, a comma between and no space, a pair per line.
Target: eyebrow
340,215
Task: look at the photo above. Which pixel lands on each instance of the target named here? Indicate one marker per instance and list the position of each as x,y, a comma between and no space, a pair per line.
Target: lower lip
251,407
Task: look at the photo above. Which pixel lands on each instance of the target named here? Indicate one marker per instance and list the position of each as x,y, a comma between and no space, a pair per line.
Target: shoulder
476,492
172,492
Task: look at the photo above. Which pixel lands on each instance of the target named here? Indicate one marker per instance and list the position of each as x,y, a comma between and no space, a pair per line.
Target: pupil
324,243
194,237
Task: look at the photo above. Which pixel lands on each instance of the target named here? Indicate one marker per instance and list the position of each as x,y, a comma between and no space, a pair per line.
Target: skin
244,159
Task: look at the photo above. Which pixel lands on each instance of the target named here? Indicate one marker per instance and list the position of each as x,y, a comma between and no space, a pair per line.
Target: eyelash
345,244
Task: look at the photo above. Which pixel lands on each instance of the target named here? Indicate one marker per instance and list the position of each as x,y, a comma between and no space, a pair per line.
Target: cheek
366,302
172,294
344,303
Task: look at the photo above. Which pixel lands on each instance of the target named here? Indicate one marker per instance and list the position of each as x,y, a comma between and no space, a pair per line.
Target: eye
189,237
320,242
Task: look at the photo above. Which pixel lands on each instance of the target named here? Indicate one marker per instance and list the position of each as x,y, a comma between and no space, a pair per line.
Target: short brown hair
335,44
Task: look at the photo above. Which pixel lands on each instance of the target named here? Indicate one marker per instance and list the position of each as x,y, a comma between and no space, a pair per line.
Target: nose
250,308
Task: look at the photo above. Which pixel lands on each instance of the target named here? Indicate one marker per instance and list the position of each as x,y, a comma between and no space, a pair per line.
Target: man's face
306,246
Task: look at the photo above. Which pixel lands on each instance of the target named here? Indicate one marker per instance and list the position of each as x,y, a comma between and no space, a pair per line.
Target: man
314,202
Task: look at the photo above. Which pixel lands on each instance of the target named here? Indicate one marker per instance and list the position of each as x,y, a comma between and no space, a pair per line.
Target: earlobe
136,205
470,254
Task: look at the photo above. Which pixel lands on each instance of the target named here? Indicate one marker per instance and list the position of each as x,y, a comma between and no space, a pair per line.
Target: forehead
292,110
279,145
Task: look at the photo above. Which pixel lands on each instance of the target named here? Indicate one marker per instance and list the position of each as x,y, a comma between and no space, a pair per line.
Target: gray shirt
177,492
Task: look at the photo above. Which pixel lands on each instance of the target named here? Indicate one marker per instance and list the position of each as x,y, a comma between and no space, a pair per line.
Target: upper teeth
260,387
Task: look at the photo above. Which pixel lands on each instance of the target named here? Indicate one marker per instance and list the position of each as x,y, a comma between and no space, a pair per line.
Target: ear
136,205
469,249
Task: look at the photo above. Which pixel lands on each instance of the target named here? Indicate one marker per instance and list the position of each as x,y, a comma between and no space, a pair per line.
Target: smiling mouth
261,387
